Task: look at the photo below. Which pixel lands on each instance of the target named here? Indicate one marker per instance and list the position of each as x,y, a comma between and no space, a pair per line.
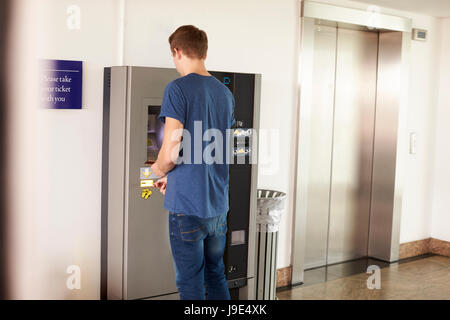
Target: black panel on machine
243,88
244,93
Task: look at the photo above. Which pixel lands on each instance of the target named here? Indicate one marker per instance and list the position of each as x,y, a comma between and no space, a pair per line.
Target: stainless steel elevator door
342,122
321,145
351,174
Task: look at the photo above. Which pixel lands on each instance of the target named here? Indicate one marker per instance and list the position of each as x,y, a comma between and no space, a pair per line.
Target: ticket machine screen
155,131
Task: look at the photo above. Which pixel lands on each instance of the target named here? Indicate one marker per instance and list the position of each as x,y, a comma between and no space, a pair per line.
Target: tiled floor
427,278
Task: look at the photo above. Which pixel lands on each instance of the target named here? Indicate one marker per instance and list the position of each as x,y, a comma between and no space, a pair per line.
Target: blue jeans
197,246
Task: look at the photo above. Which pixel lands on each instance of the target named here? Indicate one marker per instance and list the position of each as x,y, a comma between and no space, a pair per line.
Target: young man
196,191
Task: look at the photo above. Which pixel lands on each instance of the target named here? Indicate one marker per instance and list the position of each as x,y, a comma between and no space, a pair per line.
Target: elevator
136,255
348,188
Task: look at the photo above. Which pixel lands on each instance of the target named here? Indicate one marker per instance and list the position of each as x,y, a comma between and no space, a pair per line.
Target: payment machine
136,260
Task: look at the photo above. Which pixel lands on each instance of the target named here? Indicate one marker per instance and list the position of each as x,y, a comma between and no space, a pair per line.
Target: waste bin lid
263,193
270,199
270,208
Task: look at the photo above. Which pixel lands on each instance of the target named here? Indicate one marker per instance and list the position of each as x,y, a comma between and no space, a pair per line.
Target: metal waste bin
270,208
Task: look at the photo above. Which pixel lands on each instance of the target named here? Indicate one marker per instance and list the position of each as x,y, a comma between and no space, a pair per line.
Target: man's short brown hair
192,41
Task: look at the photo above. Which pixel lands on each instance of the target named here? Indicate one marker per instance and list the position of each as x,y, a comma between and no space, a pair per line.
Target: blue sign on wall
61,84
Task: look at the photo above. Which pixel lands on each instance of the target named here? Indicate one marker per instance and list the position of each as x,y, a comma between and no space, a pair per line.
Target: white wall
416,210
56,219
440,228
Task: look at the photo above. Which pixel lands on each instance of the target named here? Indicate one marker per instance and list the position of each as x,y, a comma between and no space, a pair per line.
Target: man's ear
177,53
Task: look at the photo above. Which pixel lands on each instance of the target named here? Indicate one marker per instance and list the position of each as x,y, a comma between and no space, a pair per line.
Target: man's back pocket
192,228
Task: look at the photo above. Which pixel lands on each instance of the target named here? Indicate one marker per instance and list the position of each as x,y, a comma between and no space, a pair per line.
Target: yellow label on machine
146,193
146,183
145,172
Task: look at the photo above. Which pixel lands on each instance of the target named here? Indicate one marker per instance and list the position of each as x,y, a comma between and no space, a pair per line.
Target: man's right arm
170,147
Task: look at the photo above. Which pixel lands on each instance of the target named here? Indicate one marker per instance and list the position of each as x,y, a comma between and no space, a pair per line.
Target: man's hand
161,184
157,170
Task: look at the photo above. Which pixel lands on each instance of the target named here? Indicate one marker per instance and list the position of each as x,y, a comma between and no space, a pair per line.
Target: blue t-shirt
199,186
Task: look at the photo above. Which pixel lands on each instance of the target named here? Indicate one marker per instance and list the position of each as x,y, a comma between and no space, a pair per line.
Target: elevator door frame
386,198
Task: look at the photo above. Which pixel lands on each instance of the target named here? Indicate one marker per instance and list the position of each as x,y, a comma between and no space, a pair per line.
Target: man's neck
195,66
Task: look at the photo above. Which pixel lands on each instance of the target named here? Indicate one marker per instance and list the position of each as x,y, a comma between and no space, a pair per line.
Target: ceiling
435,8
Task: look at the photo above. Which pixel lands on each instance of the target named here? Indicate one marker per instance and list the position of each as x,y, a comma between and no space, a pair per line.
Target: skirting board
429,245
284,277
